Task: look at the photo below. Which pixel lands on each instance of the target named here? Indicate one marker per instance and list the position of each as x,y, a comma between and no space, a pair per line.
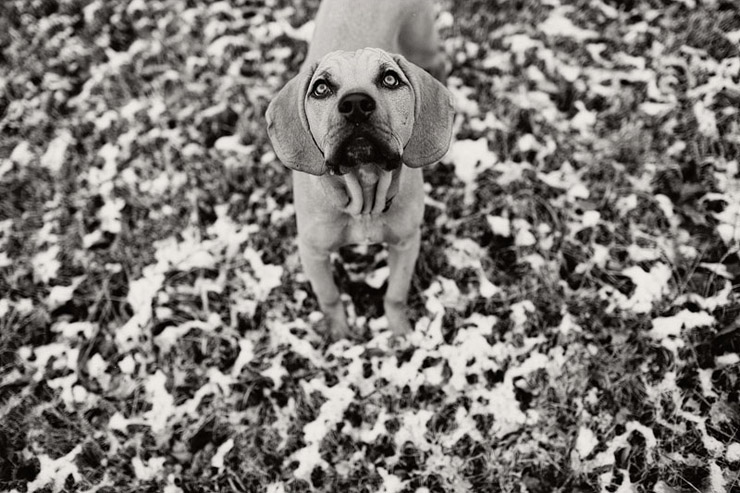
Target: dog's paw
337,330
398,320
335,325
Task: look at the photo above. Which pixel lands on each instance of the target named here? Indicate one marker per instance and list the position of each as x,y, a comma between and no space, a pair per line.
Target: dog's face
360,109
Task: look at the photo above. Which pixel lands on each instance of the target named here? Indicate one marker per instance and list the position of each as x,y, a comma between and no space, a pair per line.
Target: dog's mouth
361,150
363,146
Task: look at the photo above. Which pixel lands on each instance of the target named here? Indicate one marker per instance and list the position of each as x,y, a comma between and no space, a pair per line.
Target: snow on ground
575,302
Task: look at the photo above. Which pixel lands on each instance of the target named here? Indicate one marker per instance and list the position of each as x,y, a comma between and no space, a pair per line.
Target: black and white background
575,302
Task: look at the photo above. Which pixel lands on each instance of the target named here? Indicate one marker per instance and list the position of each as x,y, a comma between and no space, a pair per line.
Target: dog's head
360,107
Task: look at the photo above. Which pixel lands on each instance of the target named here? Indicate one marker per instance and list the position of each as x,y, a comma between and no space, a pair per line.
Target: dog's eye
321,89
390,79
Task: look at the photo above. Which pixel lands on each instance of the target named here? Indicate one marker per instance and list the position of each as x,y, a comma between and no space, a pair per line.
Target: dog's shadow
352,266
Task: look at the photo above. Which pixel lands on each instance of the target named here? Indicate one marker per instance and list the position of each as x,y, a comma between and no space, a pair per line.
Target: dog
357,124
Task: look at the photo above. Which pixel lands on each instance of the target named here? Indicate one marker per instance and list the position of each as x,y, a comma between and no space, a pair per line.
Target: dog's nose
357,107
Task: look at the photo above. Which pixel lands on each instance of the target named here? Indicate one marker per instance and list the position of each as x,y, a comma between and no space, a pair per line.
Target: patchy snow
275,488
586,442
378,277
711,303
626,204
728,359
159,319
268,276
717,481
46,264
584,120
465,253
391,482
650,287
56,152
729,218
190,253
246,356
733,452
665,205
705,380
4,307
520,313
654,109
684,320
22,155
464,98
171,486
502,403
606,458
331,412
96,368
127,365
170,336
232,143
162,403
559,25
56,471
470,158
719,269
568,179
59,295
218,47
110,215
568,324
706,120
642,254
524,236
500,226
146,471
414,430
217,460
140,296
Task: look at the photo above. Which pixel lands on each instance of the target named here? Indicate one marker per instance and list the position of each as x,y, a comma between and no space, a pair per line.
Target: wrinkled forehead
358,65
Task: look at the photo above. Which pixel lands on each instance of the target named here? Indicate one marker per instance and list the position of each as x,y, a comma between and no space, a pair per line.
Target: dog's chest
367,229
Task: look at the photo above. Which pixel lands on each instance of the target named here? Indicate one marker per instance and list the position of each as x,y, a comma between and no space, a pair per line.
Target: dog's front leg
317,266
401,261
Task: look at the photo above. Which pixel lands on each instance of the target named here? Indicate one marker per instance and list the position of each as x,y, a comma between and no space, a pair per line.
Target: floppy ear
434,113
288,129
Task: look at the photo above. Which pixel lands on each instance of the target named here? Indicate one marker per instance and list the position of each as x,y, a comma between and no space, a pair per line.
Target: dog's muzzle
359,140
363,145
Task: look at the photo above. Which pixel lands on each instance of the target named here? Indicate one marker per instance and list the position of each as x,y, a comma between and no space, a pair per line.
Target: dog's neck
368,188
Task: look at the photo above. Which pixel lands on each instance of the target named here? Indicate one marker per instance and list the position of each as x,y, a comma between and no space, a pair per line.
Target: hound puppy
356,125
